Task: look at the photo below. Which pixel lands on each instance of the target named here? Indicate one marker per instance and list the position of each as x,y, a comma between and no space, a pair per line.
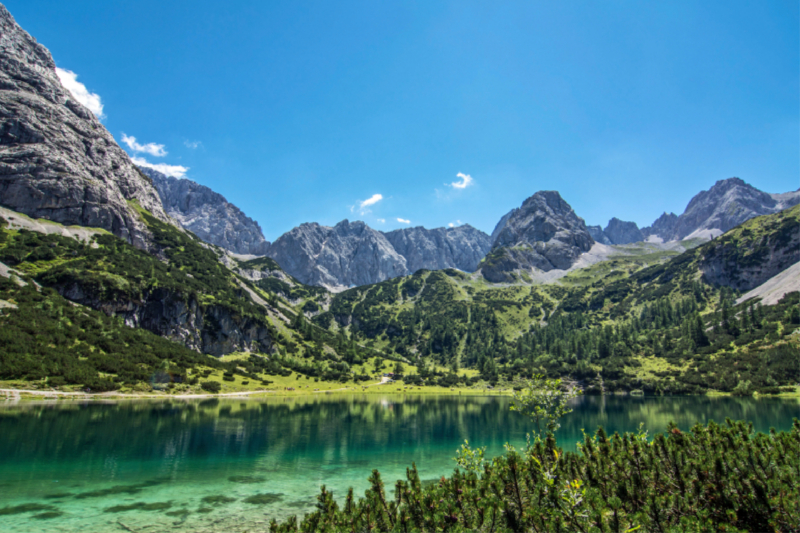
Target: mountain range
542,235
110,276
60,163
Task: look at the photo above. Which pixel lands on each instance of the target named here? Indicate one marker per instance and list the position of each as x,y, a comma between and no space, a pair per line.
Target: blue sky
302,111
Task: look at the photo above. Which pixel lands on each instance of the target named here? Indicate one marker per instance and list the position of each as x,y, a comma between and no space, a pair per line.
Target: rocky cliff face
662,228
544,234
754,252
208,215
352,253
726,205
462,247
620,232
597,234
57,161
502,224
214,330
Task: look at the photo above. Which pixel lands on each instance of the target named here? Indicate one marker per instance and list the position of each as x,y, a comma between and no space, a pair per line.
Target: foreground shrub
714,478
211,386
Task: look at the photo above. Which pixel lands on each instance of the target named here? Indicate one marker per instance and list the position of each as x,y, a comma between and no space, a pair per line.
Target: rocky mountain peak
725,205
57,161
543,234
208,215
597,234
621,232
461,247
663,227
352,253
542,218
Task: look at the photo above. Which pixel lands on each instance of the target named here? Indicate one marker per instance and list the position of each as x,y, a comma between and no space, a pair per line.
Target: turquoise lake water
196,465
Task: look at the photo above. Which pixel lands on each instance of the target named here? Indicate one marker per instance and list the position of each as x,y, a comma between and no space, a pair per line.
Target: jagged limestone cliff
352,253
57,161
543,234
209,215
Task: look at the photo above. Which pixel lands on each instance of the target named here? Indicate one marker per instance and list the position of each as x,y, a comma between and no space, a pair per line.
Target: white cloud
363,206
372,200
192,144
156,150
382,220
79,91
454,224
403,221
174,171
466,181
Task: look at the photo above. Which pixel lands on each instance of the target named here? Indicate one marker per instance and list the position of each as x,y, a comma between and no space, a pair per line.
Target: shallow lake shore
232,463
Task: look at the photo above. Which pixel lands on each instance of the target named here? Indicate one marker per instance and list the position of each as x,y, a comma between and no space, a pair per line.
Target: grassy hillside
645,321
49,340
624,324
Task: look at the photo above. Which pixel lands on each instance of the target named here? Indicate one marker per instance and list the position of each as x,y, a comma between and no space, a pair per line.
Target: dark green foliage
323,320
261,264
47,337
211,386
310,307
714,478
113,271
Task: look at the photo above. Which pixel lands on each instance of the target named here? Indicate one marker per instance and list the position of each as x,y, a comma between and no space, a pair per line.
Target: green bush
714,478
211,386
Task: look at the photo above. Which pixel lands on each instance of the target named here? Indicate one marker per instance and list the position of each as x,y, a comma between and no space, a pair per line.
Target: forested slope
669,327
104,314
649,322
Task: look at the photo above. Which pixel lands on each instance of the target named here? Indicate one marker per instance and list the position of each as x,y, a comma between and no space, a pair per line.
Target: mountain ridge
57,161
543,234
353,253
208,214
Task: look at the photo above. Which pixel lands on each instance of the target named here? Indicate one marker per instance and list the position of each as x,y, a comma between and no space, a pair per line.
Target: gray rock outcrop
746,259
461,247
544,234
663,227
597,234
212,329
621,232
726,205
57,161
502,224
208,215
352,253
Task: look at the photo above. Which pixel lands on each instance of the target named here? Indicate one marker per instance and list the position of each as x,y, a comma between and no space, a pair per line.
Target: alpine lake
233,465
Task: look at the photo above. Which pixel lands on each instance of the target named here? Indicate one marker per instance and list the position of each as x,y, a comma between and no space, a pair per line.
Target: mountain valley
114,277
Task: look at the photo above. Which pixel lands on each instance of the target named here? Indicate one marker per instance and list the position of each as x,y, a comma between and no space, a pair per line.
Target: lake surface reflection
198,464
